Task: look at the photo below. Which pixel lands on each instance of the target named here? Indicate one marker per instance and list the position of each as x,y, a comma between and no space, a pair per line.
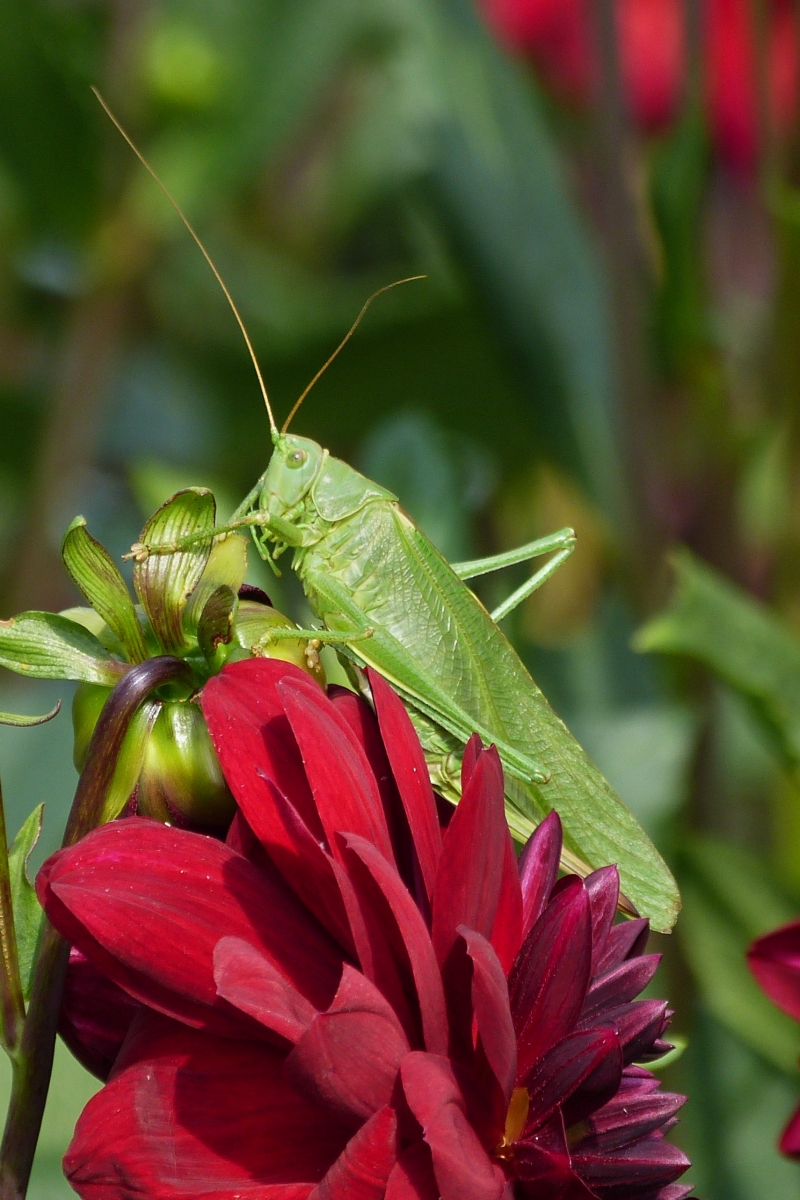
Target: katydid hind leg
563,539
531,585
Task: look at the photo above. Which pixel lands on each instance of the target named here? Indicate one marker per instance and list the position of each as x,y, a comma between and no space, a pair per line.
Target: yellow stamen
516,1118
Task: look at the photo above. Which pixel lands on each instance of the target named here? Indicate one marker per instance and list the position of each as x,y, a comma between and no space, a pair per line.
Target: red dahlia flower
558,37
775,961
353,998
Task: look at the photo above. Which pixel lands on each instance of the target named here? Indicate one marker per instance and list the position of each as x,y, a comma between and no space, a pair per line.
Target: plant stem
12,1005
34,1060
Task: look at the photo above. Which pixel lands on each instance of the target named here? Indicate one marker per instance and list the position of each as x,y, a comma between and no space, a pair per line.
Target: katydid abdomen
437,645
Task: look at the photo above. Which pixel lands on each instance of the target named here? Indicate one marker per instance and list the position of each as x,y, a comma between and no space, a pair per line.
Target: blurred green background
607,337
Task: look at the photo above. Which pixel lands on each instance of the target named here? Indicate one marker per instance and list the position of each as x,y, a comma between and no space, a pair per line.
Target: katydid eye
296,458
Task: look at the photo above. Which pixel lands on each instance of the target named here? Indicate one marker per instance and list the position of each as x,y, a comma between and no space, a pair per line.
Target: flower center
516,1118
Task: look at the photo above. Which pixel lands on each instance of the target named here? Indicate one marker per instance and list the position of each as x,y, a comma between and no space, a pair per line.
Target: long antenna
204,252
386,288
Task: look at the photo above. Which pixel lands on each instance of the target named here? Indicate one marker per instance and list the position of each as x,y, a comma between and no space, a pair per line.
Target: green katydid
388,599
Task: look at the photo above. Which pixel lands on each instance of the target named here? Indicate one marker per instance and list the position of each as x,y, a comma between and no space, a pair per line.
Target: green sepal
46,645
22,721
164,582
28,914
131,760
216,621
99,579
227,564
713,621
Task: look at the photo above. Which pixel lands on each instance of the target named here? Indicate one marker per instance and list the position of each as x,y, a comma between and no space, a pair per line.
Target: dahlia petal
637,1025
362,1170
597,1088
674,1191
602,887
249,729
626,940
249,981
412,1177
348,1060
651,1161
621,984
542,1159
147,904
562,1070
469,759
538,869
775,961
345,792
507,929
462,1167
548,982
411,775
628,1118
790,1138
95,1015
188,1115
470,871
373,948
415,939
492,1010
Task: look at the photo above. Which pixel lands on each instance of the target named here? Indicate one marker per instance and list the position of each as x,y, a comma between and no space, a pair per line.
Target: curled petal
412,1177
602,887
492,1011
250,982
562,1070
95,1015
189,1115
347,1062
362,1170
538,869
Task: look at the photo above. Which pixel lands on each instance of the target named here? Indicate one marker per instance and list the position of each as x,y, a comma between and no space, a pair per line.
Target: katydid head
295,463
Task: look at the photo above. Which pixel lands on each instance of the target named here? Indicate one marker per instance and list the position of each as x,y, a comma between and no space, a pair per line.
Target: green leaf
728,900
28,914
96,574
45,645
216,621
164,582
739,640
23,721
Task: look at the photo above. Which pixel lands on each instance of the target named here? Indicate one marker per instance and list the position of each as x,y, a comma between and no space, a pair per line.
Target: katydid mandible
388,599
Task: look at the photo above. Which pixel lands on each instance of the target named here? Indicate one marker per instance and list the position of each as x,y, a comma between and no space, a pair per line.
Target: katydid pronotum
386,598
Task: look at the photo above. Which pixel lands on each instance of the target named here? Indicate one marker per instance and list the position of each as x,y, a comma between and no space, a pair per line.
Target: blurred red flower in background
775,961
356,995
559,37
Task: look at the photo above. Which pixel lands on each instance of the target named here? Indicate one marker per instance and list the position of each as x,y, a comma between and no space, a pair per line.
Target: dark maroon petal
538,869
507,929
625,940
597,1089
147,904
95,1015
651,1161
348,1060
562,1070
543,1160
411,775
675,1191
603,889
189,1115
637,1025
790,1138
628,1118
416,942
462,1167
492,1011
345,791
473,855
621,984
249,981
548,982
362,1170
775,962
413,1177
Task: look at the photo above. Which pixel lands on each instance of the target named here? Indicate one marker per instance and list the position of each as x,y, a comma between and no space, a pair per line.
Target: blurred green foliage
323,150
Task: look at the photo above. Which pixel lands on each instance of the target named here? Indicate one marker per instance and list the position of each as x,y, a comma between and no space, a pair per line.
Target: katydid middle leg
563,542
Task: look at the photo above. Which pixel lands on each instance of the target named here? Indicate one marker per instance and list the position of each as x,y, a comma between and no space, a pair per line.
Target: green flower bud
181,781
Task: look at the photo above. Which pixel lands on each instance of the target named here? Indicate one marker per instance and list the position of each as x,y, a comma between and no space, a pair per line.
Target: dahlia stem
33,1060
